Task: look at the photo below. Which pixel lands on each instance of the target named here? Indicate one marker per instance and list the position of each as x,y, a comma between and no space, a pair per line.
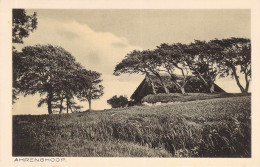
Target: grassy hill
218,127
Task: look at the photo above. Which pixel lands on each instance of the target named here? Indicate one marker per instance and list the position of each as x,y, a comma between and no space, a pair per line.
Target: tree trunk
49,100
212,87
89,104
247,83
203,80
209,86
183,91
67,100
71,109
163,84
237,80
178,86
153,87
247,87
61,101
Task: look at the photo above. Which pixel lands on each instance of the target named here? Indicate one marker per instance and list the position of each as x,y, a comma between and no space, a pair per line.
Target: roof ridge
167,74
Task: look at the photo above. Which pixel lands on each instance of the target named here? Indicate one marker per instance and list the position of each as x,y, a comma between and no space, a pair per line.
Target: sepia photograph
172,83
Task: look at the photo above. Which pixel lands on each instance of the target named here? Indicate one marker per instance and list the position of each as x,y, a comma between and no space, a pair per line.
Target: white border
6,6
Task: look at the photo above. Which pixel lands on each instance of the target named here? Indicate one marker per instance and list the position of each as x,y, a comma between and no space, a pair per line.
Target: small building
193,85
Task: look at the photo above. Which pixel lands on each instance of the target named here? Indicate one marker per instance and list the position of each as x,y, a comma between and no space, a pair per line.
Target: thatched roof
194,85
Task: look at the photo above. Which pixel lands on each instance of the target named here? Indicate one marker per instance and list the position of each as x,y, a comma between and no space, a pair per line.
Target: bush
118,102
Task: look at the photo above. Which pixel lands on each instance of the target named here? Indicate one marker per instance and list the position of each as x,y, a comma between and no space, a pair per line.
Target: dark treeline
50,71
205,60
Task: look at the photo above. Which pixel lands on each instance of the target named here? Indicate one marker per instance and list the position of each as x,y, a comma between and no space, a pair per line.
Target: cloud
119,44
95,50
67,34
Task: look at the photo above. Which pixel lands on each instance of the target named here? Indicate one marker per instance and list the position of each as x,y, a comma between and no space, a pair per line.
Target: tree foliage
172,59
205,60
90,88
47,70
134,62
201,59
23,24
17,66
118,102
234,58
153,63
144,62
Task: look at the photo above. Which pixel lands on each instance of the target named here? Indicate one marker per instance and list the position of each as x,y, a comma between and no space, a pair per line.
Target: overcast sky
99,39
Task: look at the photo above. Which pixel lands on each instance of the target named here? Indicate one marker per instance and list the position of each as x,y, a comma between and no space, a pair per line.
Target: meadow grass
209,128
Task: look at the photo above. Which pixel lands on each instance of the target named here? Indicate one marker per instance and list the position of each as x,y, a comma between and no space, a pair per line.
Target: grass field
218,127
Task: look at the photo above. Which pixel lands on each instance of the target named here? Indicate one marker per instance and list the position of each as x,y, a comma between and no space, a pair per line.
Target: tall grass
209,128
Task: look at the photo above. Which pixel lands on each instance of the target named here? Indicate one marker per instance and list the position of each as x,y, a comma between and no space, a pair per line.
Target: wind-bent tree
44,70
201,59
118,102
144,62
153,63
91,88
134,63
235,58
172,58
23,24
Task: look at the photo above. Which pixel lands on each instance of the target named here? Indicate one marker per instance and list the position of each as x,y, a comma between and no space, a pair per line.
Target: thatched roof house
194,85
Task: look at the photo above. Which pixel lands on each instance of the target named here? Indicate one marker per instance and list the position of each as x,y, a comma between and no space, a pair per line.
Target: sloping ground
209,128
178,97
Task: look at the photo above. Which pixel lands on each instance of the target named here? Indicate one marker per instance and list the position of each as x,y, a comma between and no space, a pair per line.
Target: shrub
118,102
